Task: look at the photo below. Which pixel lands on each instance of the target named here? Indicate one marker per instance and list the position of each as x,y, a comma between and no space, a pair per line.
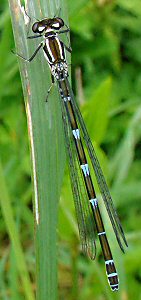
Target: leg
68,48
32,57
34,36
64,31
49,90
68,30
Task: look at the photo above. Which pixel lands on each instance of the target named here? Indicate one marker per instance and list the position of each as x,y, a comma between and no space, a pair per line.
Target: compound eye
41,28
60,21
35,27
56,25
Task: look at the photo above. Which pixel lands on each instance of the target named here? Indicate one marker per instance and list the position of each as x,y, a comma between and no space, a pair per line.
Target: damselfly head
41,26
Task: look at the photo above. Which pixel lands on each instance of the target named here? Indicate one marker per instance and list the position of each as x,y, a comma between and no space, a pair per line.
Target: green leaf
96,111
125,152
14,236
131,6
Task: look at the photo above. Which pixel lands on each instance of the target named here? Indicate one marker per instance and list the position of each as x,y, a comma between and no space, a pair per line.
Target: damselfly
76,137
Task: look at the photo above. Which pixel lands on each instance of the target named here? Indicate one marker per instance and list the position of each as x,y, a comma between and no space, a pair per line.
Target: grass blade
14,236
46,141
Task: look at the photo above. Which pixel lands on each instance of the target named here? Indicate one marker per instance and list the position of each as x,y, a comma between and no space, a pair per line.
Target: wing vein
84,215
116,224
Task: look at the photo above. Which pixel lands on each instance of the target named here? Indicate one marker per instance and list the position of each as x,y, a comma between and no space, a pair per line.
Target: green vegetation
106,43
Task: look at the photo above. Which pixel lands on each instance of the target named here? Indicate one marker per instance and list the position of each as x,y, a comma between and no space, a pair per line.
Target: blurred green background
106,78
